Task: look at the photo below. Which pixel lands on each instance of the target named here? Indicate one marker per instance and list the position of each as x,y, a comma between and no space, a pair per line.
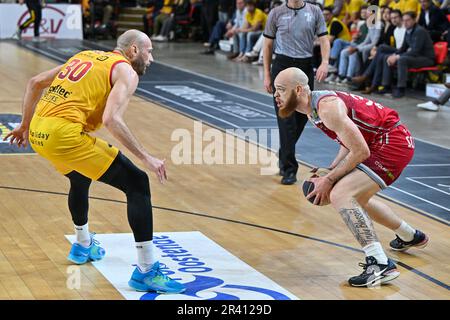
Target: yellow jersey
80,90
344,10
167,7
354,6
328,3
344,34
406,5
255,17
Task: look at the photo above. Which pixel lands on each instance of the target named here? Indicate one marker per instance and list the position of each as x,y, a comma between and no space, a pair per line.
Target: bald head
137,48
292,77
131,37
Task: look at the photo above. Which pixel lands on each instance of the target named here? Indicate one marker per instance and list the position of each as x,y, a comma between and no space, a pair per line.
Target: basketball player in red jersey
374,141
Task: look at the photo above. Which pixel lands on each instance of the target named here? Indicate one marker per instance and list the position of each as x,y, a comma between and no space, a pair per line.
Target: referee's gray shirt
295,29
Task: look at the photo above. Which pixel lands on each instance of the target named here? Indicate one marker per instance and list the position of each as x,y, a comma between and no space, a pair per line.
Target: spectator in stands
180,12
435,104
255,21
152,11
230,31
336,28
417,51
374,73
434,20
387,32
358,34
338,7
353,9
99,16
386,38
257,50
163,15
353,56
406,6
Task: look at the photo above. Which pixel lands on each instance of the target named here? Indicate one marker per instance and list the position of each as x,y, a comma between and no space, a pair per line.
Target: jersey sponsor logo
7,123
385,170
59,90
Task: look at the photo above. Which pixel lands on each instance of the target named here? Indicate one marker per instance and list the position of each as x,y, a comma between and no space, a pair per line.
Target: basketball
308,186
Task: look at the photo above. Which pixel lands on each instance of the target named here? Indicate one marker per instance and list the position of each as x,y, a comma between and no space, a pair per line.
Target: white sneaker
252,54
431,106
159,38
257,63
331,78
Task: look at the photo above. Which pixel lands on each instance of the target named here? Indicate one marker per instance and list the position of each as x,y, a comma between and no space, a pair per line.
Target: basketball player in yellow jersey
93,88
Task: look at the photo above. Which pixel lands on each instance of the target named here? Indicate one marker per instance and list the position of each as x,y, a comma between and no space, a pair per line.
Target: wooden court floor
34,221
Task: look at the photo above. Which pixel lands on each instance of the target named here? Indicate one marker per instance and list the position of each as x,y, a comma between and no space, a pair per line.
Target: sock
146,255
405,232
83,236
376,250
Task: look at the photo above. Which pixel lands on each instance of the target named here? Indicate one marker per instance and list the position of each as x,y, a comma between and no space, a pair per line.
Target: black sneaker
289,178
374,274
420,240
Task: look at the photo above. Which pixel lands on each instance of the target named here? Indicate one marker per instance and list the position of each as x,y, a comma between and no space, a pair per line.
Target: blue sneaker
80,254
154,280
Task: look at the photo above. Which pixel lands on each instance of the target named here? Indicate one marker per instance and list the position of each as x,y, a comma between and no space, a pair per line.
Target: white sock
376,250
146,255
83,236
405,232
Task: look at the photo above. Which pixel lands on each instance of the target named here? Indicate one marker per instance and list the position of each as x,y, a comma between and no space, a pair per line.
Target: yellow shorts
68,148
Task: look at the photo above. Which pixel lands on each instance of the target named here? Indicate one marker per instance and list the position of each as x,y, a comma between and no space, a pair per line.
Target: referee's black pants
290,128
35,11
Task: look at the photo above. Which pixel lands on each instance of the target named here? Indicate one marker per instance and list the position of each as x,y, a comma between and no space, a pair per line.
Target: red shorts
389,156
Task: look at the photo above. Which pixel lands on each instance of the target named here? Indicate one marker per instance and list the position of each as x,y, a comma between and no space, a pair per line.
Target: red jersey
372,119
390,143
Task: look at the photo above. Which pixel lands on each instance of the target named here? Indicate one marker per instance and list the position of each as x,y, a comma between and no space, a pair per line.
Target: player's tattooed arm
333,113
359,223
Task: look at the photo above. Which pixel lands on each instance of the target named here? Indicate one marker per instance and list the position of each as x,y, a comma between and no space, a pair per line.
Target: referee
293,27
35,11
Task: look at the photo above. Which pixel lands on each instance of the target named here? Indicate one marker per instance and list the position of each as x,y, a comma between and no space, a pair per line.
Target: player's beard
289,106
139,66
